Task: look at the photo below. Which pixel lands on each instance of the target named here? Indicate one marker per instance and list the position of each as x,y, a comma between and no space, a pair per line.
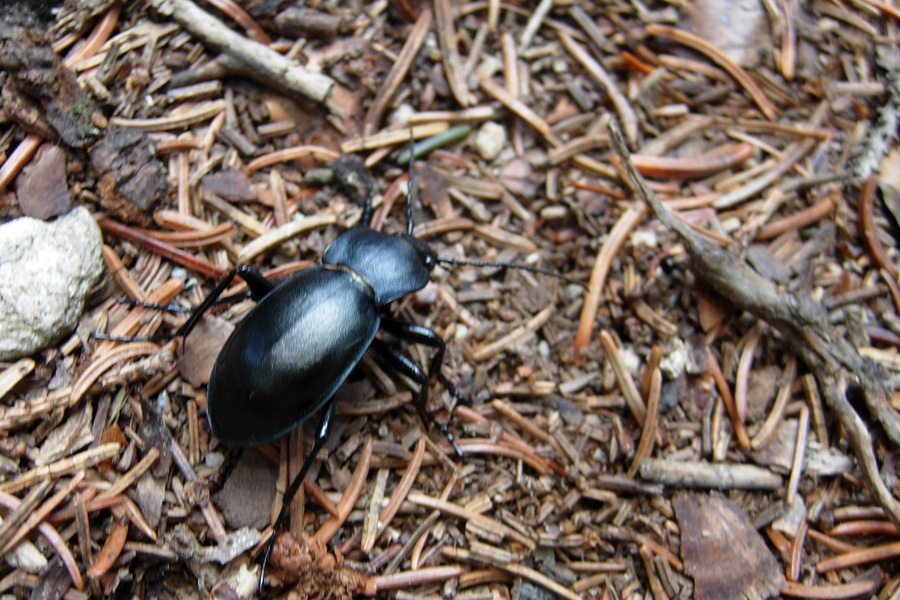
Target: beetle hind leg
322,433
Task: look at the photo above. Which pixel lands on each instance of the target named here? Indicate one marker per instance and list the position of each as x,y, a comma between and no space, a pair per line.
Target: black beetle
286,359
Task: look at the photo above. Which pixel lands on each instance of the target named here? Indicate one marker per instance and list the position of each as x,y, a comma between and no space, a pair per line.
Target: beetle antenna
449,260
409,189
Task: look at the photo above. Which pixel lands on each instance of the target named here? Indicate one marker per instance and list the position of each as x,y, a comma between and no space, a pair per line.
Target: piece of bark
132,178
295,21
150,495
155,433
201,349
736,27
231,185
778,454
246,498
722,552
71,436
41,188
36,71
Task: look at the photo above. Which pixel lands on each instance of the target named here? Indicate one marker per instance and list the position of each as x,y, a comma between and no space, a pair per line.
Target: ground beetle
286,359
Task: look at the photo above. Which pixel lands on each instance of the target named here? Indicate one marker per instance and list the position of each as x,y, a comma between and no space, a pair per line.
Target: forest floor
691,394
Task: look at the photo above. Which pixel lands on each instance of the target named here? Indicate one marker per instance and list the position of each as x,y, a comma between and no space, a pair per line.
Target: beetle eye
426,254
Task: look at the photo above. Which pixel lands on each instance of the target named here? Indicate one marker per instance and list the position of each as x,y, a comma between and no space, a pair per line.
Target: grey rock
46,271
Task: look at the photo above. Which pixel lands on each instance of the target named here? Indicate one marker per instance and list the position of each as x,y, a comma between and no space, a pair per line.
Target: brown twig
602,264
400,493
58,544
623,377
620,102
513,337
859,557
18,158
541,464
398,72
120,273
765,433
240,16
718,57
392,137
110,359
110,551
213,519
37,516
200,113
165,250
14,374
517,570
443,24
840,591
27,506
648,428
747,191
348,500
82,460
710,163
742,376
798,220
407,579
484,523
869,231
266,64
281,234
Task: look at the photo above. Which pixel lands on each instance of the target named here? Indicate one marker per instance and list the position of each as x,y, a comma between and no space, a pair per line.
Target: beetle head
425,254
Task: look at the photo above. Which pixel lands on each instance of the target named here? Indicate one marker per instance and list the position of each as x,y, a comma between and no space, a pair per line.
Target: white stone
46,271
489,140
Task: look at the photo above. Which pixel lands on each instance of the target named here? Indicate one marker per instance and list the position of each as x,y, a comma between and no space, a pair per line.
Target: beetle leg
175,308
353,178
417,334
322,432
258,285
408,367
157,305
